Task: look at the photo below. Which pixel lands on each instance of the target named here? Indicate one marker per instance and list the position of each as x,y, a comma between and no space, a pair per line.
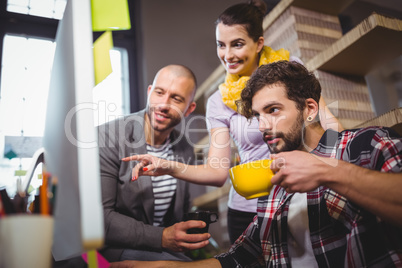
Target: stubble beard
173,121
293,139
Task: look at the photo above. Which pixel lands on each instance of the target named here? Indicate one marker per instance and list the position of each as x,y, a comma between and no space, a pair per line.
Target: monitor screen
70,139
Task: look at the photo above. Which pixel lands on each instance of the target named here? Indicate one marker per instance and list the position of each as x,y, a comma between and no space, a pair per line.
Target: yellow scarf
233,85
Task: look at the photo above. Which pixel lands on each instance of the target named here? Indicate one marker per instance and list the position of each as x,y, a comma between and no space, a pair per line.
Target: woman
240,48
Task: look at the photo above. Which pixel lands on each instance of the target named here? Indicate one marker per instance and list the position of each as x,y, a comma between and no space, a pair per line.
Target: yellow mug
252,179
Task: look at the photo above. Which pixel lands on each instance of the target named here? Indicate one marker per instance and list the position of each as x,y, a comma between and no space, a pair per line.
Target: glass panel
109,95
18,9
43,8
15,47
18,2
25,81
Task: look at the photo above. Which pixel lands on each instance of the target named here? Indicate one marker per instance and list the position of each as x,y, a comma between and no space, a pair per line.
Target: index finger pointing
133,157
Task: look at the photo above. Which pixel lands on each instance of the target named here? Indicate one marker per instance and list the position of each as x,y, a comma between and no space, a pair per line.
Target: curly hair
300,84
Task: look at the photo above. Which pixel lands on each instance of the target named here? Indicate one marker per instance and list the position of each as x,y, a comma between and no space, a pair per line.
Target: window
25,77
26,52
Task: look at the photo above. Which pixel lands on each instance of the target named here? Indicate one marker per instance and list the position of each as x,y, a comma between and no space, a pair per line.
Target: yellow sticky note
110,15
102,64
92,259
30,189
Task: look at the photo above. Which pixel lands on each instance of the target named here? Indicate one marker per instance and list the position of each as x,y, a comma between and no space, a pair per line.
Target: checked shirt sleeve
387,151
246,251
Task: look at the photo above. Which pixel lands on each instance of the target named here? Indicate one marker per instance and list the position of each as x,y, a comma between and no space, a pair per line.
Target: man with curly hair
336,200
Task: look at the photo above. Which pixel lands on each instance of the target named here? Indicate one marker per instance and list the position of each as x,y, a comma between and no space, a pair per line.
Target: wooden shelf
392,119
327,7
371,44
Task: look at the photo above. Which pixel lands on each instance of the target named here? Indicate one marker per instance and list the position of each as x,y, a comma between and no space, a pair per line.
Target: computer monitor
70,138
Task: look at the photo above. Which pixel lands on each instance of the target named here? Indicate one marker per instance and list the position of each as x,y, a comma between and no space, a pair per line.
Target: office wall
180,31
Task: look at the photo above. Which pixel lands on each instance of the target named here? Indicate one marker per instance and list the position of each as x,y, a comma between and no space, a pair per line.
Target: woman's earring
309,118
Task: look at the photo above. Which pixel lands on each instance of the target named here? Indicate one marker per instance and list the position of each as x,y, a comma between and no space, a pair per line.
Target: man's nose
264,124
163,106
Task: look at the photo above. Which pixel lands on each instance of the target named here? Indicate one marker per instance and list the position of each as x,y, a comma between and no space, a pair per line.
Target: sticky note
20,173
102,64
94,258
110,15
30,189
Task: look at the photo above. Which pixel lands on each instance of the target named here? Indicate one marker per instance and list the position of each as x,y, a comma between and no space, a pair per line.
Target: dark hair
250,15
300,84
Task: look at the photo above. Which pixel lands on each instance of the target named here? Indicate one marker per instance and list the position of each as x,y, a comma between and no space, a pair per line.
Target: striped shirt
342,234
164,187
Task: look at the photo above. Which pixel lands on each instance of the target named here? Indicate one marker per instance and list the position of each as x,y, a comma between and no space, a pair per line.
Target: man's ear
190,109
149,90
311,110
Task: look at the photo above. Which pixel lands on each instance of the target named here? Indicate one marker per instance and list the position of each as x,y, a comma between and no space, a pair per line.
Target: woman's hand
149,165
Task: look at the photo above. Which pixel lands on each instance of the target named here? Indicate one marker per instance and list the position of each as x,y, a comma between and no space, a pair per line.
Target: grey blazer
129,206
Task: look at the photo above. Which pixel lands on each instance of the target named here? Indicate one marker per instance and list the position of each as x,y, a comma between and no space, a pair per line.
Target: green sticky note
110,15
20,173
102,64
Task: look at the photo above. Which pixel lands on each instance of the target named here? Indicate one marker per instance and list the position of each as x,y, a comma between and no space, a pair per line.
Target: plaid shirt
342,234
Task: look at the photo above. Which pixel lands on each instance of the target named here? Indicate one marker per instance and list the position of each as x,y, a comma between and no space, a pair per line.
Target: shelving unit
349,58
217,76
375,41
392,119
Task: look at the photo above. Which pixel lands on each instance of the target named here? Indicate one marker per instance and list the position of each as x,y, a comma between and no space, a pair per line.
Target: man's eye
274,110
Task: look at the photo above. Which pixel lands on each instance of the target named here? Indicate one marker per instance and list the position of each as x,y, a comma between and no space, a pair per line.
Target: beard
161,126
293,139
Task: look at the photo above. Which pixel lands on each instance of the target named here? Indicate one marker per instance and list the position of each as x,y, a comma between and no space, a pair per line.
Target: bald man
143,217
